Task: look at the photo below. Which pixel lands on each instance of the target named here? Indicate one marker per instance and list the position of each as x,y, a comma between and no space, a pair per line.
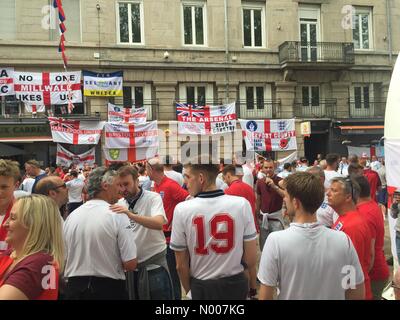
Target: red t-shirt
241,189
171,194
3,231
373,214
353,224
271,201
30,274
373,180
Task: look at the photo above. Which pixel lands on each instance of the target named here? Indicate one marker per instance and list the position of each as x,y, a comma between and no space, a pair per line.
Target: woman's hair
41,216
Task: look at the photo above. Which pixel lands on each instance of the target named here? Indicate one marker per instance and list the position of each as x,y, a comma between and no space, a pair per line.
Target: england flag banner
33,108
6,81
127,115
205,120
269,135
129,135
48,88
103,84
75,131
131,154
65,158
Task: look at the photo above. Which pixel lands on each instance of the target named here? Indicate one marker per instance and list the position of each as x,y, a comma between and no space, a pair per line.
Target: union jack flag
189,110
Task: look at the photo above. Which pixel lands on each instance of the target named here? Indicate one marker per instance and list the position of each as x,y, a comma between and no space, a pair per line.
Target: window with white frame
362,28
310,96
7,20
130,22
362,96
9,106
135,95
194,23
72,9
253,26
200,94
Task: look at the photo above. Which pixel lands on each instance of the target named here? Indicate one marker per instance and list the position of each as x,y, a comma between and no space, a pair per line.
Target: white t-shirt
97,241
284,174
145,182
326,215
329,175
27,185
75,188
176,176
228,217
248,176
308,262
149,242
219,183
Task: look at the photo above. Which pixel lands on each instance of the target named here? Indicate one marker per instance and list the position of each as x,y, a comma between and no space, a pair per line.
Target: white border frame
263,26
140,2
205,25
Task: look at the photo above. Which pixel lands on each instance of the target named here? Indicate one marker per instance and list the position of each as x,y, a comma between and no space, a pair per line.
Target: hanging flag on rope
128,115
129,135
65,158
57,4
269,135
75,131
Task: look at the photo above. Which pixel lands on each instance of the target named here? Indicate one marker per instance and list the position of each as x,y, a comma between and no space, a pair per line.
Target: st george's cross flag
75,131
127,115
65,158
48,88
205,120
129,135
269,135
131,154
33,108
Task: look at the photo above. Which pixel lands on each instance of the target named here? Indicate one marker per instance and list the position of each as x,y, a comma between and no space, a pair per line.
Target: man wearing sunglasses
55,188
342,197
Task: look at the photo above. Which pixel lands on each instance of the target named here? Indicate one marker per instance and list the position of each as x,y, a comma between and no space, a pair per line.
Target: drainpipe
226,52
389,29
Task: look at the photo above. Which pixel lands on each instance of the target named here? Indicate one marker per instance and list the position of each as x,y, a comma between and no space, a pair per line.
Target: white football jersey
212,227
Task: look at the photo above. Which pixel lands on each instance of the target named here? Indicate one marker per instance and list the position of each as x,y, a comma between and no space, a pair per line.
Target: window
310,96
253,26
62,109
130,22
7,20
9,106
362,29
194,24
72,23
361,97
137,96
200,94
255,97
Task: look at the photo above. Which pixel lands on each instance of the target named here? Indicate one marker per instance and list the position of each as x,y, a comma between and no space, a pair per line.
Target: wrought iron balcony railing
258,109
316,109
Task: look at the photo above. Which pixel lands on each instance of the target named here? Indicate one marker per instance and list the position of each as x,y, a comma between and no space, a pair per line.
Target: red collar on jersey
210,194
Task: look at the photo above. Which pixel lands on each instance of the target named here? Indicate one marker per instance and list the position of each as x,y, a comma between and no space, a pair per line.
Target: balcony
366,109
324,55
266,109
320,109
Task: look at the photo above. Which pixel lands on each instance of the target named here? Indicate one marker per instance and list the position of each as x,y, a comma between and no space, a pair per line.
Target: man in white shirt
99,243
308,261
213,236
343,167
170,173
75,189
145,209
332,161
287,168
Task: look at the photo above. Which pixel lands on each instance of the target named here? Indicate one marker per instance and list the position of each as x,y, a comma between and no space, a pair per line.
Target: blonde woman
30,270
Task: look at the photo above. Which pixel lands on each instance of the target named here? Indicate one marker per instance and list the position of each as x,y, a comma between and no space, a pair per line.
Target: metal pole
389,30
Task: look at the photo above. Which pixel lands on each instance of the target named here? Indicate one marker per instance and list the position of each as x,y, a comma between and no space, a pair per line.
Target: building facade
324,61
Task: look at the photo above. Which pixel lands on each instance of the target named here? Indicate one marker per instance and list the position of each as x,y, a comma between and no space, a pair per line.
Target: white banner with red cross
131,154
269,135
6,81
127,115
65,158
130,135
75,131
205,120
48,88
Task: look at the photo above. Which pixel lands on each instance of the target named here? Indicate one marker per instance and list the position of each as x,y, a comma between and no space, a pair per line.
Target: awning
27,139
373,129
7,151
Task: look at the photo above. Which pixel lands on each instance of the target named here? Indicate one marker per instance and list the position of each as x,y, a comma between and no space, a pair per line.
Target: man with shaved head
53,187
